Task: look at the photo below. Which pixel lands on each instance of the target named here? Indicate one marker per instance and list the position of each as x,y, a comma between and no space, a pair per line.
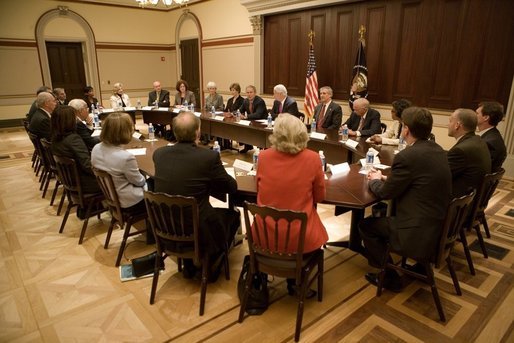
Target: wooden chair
46,149
35,159
455,218
175,222
270,257
70,178
119,215
39,165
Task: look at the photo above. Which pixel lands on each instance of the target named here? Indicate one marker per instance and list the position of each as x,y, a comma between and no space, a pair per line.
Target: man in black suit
469,158
33,107
60,94
84,123
189,170
253,108
40,121
160,95
327,113
283,103
489,114
364,121
420,185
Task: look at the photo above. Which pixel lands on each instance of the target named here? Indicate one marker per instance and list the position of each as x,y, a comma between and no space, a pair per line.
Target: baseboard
6,123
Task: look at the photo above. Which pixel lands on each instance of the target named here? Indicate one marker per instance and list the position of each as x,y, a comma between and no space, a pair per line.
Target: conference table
348,191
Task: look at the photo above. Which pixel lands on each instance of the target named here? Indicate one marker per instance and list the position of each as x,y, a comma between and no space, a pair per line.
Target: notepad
318,135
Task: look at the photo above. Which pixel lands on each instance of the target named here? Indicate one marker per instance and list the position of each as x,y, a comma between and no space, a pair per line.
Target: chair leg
47,183
203,290
483,221
54,193
321,269
65,219
435,293
155,278
86,221
123,242
109,232
61,203
42,178
244,301
481,240
299,315
453,275
462,234
225,264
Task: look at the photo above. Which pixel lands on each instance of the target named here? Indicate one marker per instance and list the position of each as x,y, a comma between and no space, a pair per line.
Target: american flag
311,86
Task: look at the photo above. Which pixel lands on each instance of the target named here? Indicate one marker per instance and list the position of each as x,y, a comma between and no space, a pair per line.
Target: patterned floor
54,290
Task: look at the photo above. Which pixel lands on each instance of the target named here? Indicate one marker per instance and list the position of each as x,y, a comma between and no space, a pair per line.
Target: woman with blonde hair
119,99
213,99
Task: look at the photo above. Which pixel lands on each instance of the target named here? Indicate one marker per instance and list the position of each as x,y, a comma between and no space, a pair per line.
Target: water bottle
401,144
238,115
96,120
216,147
313,125
270,121
138,106
255,158
185,104
151,132
92,109
370,158
156,104
323,160
344,133
191,107
213,111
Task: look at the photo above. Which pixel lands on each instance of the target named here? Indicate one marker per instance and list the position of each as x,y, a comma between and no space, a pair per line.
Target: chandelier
167,3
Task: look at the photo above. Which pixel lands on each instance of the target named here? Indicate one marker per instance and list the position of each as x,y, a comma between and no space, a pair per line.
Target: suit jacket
32,110
73,146
85,133
281,184
40,124
333,115
469,161
190,98
371,123
259,108
233,106
289,106
115,98
89,103
163,101
188,170
122,166
216,101
496,146
420,185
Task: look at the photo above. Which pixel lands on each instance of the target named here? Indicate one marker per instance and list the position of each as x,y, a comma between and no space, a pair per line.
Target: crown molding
263,7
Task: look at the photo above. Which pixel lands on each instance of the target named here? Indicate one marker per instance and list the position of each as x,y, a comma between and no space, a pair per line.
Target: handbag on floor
145,264
258,297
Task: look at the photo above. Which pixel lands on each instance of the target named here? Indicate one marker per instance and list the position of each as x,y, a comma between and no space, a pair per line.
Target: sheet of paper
219,118
129,108
340,168
166,109
108,110
318,135
240,164
231,172
147,108
351,143
244,122
218,112
96,133
138,151
136,135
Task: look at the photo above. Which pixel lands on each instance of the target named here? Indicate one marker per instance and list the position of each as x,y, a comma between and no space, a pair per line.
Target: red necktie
321,117
361,124
251,106
280,108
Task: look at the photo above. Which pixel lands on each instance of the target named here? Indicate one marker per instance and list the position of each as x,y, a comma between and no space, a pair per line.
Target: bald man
364,121
160,95
40,121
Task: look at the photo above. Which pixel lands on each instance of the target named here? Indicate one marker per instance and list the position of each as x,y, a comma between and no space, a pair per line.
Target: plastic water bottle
238,115
151,132
155,104
255,158
185,104
191,107
344,133
216,147
370,158
313,125
401,144
96,121
92,109
138,106
270,121
323,160
213,111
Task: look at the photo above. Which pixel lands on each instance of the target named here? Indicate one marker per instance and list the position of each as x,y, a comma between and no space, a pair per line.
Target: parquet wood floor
54,290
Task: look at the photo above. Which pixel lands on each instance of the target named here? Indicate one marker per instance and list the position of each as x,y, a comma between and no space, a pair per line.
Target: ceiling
133,3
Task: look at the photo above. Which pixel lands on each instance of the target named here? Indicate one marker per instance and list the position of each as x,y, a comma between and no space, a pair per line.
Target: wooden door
67,68
191,68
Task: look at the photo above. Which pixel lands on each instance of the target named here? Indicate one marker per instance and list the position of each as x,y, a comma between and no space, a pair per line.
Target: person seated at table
89,97
183,94
110,156
364,121
119,99
421,186
34,107
213,99
236,101
188,170
60,95
392,135
40,121
253,108
84,123
281,184
327,113
66,142
283,103
489,115
158,97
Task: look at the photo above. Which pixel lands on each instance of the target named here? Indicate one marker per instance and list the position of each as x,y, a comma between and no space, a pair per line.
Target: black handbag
144,265
258,297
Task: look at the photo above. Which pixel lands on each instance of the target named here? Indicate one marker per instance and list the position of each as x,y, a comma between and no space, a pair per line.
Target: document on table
137,151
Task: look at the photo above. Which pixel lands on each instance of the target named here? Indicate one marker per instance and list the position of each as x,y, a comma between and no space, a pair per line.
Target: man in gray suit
420,186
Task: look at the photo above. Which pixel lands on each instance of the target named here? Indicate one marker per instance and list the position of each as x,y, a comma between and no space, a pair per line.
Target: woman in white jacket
118,98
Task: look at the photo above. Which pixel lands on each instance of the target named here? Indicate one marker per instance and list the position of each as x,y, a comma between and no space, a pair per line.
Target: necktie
361,124
157,97
399,130
251,106
280,108
321,117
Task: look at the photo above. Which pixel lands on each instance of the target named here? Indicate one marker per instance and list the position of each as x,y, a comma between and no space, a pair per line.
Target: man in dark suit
253,108
33,107
327,113
160,95
489,114
40,122
84,123
364,121
420,185
60,94
189,170
469,158
283,103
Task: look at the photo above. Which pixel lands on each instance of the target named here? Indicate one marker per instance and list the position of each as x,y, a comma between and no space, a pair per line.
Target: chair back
275,237
70,178
175,222
455,218
486,191
48,157
36,143
106,184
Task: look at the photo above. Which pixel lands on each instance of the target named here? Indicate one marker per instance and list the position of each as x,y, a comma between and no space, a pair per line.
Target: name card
376,161
136,135
219,112
380,166
176,110
136,152
151,140
147,108
198,114
351,143
318,135
219,118
166,109
108,110
96,133
129,108
244,122
240,164
340,168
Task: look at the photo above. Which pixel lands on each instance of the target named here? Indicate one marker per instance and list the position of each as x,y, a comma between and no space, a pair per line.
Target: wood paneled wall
436,53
